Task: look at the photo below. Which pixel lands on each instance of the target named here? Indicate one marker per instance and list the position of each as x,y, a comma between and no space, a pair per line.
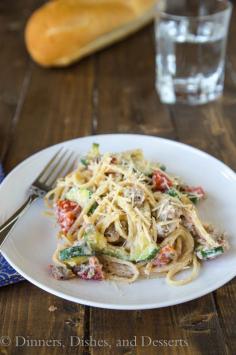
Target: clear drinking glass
191,39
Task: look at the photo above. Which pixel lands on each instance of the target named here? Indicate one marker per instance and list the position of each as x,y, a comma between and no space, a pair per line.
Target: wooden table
112,91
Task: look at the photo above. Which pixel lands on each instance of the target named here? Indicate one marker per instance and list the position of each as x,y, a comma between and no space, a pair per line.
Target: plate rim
117,306
163,304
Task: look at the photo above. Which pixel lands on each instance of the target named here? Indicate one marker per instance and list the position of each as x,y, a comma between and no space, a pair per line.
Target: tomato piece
67,212
165,256
195,190
160,181
90,271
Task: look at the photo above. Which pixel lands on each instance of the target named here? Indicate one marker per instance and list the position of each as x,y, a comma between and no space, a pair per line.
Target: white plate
32,242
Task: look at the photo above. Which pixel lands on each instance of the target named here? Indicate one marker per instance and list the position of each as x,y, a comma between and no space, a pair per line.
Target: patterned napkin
1,173
7,274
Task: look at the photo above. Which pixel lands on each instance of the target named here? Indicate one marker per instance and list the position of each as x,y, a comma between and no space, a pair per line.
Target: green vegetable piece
146,255
206,254
92,209
116,252
99,244
193,199
163,167
95,240
172,193
77,250
81,196
84,162
77,260
94,151
143,249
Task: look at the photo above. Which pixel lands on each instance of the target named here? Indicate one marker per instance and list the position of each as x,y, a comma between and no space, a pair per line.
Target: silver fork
60,165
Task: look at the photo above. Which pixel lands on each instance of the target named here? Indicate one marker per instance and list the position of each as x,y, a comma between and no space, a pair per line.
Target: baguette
63,31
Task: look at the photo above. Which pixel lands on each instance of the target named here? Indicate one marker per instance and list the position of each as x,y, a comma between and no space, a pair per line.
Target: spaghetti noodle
122,217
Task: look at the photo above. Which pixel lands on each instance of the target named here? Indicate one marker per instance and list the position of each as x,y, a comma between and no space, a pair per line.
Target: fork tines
60,165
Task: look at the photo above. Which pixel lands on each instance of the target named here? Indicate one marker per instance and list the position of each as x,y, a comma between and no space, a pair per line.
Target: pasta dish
122,217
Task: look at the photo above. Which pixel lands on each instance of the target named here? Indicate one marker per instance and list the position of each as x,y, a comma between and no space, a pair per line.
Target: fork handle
7,226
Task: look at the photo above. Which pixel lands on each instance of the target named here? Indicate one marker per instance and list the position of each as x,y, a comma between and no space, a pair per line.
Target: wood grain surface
112,91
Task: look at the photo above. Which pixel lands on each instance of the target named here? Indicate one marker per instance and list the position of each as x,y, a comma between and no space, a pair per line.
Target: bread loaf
63,31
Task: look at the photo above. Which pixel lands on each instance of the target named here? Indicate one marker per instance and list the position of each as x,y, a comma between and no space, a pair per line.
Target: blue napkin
7,274
1,173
